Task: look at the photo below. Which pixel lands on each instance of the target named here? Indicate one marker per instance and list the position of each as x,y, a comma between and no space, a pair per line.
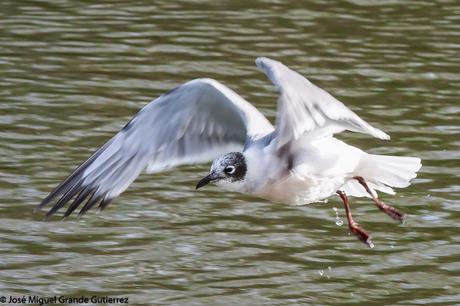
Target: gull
298,161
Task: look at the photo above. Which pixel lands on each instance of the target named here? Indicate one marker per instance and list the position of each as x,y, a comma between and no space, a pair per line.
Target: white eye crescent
229,169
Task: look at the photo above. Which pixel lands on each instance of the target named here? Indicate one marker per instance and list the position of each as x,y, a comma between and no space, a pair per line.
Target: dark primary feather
72,186
84,194
91,187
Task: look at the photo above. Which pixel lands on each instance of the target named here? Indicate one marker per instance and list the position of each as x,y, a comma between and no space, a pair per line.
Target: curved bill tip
204,181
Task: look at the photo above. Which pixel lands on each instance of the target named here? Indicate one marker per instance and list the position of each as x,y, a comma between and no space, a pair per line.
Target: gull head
229,171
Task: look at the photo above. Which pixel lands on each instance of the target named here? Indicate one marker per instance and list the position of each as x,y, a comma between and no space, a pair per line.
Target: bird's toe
362,235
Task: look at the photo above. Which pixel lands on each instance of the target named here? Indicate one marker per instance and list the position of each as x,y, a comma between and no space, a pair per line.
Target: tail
383,172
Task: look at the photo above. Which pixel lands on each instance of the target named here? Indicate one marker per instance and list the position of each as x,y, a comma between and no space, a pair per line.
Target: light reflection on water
73,73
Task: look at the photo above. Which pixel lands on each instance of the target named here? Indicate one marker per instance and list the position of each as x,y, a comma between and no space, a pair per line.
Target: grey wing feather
193,123
305,108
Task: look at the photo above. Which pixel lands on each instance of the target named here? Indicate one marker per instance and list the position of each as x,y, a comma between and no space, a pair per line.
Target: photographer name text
61,299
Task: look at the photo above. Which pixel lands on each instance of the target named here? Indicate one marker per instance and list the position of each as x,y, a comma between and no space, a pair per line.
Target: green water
73,72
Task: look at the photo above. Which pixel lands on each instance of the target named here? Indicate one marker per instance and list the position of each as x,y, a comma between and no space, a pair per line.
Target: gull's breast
301,189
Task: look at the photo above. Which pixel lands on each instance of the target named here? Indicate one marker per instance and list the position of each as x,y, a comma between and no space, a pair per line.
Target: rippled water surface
73,72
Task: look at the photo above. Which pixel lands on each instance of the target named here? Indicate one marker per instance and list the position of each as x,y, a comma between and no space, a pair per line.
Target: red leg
388,209
354,227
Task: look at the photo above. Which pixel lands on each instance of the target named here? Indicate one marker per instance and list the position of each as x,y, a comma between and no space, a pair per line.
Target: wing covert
305,108
195,122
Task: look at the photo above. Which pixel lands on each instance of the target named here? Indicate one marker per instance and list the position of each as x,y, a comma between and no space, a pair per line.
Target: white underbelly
300,189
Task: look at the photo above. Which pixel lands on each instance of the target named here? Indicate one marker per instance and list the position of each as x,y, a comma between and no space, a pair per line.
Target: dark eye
229,169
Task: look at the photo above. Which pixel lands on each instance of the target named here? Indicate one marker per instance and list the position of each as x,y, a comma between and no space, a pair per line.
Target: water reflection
72,73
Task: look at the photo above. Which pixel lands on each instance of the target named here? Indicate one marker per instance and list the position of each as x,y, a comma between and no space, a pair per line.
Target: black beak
205,181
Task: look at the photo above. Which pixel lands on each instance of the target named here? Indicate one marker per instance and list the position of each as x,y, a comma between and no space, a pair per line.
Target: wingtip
259,60
44,202
382,135
377,133
263,62
273,69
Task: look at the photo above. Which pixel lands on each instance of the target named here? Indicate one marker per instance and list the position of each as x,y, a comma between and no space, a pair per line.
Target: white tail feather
383,172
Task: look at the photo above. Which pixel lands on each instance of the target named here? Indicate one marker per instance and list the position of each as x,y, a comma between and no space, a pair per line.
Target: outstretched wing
193,123
305,108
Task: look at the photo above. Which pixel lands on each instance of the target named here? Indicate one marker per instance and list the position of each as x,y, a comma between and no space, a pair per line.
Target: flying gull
297,161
